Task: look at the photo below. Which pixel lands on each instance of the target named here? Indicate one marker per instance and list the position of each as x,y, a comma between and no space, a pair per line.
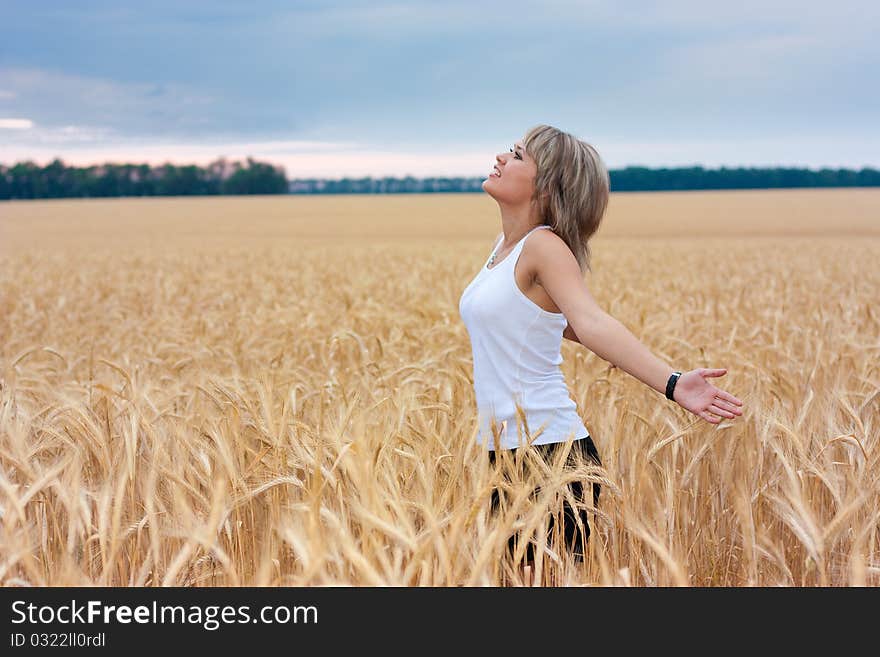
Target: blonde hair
578,186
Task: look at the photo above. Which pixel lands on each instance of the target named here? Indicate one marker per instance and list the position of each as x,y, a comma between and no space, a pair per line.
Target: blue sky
437,88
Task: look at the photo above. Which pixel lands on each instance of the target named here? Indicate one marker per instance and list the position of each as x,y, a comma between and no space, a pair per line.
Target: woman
552,190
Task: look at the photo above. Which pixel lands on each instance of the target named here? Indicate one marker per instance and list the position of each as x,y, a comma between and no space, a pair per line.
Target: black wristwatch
670,385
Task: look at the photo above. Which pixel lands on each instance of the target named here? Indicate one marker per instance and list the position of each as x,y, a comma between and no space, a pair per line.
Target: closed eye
516,155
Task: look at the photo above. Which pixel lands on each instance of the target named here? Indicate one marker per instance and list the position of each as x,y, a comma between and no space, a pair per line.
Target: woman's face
512,181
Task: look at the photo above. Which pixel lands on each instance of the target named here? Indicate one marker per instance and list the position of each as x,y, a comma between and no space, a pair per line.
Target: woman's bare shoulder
546,243
544,248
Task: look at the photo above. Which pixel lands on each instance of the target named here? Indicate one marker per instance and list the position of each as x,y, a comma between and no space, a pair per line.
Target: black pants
574,540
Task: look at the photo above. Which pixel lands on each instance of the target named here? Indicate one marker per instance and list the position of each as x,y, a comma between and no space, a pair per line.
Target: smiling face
512,181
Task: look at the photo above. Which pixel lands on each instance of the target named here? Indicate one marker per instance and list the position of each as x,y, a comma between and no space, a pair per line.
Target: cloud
345,84
304,158
60,136
815,151
301,158
54,97
16,124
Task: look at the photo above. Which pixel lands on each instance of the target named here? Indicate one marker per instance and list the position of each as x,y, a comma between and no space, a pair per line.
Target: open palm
694,393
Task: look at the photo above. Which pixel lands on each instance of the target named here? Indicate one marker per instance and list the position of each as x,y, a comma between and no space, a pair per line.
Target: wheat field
277,391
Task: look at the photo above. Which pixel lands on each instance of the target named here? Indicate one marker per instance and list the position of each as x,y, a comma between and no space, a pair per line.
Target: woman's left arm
558,273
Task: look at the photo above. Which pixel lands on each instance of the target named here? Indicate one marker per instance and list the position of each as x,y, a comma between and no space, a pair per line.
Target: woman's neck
516,221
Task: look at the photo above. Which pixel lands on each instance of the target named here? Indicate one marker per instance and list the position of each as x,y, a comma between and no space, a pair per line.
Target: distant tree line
28,180
629,179
56,180
633,179
369,185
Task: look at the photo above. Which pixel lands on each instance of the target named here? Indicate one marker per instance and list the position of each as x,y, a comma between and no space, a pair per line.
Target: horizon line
341,176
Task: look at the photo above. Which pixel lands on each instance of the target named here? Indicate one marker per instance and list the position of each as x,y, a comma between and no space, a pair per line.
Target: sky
333,89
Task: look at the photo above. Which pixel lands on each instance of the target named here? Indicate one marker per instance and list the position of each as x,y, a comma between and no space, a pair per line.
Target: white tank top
517,352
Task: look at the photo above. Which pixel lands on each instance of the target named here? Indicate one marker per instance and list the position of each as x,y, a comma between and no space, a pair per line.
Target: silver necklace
492,259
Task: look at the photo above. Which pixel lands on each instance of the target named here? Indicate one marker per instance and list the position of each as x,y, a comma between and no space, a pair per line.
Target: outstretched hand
694,393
